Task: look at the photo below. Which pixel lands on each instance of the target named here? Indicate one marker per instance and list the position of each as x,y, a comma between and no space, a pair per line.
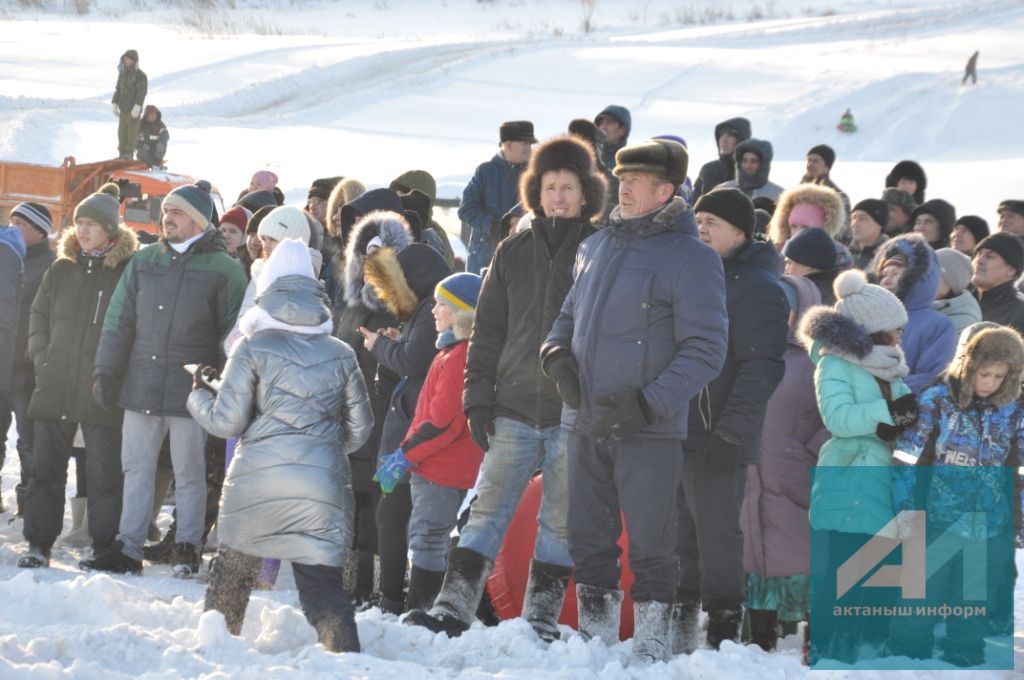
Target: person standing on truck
152,138
129,96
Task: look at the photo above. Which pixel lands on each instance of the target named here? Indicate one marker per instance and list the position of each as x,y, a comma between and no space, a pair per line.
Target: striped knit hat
37,215
459,291
192,201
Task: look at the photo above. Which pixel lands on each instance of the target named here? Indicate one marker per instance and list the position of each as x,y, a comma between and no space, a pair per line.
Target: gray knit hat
871,306
956,269
103,209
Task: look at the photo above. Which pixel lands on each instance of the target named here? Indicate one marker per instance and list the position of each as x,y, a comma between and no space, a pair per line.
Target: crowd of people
672,357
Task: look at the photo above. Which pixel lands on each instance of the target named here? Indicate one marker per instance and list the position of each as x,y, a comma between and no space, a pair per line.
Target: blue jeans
517,451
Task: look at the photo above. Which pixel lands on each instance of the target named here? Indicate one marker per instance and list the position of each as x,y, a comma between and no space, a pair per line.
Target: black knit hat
1011,204
661,157
976,225
1007,246
517,131
732,205
813,248
321,188
876,208
827,153
565,152
35,214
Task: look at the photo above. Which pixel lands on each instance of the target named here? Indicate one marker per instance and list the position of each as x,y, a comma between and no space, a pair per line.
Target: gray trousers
435,510
141,436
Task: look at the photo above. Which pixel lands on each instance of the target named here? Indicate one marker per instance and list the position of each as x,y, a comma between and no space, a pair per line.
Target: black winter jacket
723,168
38,258
132,86
1003,304
64,330
520,299
733,404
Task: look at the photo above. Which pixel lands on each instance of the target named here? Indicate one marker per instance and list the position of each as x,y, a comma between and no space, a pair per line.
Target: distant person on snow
152,139
971,70
846,123
129,96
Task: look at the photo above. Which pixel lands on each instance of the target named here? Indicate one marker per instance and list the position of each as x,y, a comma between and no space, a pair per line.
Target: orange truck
60,188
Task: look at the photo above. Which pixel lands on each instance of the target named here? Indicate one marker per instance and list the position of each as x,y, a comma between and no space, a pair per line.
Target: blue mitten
391,469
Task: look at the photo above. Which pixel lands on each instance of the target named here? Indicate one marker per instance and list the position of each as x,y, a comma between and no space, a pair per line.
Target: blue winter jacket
646,310
491,193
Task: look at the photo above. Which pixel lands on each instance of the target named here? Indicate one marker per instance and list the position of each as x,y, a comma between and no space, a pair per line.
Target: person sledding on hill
846,123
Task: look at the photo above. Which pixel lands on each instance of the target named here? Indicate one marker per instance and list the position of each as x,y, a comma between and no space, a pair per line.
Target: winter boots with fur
463,586
545,595
599,612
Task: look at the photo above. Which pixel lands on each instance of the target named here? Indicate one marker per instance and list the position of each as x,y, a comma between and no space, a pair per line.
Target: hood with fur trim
403,280
394,233
564,152
819,195
988,346
126,245
841,336
920,279
763,149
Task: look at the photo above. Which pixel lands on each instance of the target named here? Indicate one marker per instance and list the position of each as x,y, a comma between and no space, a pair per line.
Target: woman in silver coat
296,398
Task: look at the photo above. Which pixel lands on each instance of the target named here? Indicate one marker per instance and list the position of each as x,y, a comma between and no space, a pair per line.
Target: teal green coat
852,406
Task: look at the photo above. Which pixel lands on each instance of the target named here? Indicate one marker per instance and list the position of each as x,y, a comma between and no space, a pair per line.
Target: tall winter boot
685,625
545,595
460,594
723,624
764,628
79,536
652,631
600,610
424,586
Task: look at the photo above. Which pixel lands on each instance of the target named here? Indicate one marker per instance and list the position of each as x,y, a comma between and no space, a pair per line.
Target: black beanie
813,248
1007,246
876,208
826,152
732,205
976,225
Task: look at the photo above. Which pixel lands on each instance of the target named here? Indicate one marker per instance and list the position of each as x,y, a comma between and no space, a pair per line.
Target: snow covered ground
371,88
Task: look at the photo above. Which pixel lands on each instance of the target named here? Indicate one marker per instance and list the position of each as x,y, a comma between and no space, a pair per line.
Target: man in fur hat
629,350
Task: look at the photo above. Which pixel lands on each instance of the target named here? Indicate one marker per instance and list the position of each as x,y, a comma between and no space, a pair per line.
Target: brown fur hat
990,345
824,197
565,152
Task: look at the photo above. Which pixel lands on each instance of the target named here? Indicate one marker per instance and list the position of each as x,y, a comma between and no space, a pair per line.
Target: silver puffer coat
296,397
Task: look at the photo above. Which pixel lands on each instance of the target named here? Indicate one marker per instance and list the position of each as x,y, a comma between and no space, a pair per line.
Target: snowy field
372,88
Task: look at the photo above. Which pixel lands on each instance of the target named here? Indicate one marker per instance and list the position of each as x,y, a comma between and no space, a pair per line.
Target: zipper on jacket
99,303
538,242
704,402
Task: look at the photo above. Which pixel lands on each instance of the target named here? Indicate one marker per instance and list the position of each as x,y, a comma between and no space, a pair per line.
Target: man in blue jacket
641,332
493,191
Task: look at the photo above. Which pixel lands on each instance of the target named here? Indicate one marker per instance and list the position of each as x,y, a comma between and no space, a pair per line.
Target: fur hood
763,149
990,345
343,192
127,244
403,280
910,170
920,278
565,152
822,196
394,233
841,336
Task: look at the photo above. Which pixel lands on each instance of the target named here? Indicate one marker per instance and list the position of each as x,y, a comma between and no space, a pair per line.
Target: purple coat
776,528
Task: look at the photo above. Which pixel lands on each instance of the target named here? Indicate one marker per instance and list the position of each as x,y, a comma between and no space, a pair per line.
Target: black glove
207,372
721,456
481,425
887,433
103,391
628,418
562,368
904,410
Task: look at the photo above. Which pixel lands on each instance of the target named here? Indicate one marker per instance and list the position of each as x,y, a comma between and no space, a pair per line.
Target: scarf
98,253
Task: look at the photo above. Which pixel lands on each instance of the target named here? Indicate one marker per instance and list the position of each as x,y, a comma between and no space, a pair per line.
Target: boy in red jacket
438,448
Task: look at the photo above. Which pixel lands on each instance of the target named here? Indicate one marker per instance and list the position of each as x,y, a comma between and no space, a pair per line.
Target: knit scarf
885,362
446,338
98,252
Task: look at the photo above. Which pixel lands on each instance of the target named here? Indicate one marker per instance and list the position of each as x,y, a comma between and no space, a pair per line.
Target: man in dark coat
614,124
36,226
129,97
725,422
493,191
728,134
174,305
64,330
153,137
629,350
998,263
513,410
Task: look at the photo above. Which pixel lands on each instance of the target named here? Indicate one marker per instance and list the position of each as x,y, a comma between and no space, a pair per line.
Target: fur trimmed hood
394,233
988,346
403,280
839,335
127,244
920,278
564,152
826,198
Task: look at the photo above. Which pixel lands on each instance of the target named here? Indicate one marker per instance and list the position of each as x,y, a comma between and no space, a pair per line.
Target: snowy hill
371,88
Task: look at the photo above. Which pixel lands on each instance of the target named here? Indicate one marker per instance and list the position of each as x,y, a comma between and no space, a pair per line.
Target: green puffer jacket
169,309
64,330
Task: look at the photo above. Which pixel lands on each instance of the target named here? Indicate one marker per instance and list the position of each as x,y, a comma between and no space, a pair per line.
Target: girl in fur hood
807,205
858,381
973,418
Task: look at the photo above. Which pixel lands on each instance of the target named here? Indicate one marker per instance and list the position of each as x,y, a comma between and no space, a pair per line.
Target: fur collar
393,231
384,274
839,335
127,244
822,196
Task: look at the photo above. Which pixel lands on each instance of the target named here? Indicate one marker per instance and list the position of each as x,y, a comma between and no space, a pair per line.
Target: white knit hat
283,222
871,306
290,257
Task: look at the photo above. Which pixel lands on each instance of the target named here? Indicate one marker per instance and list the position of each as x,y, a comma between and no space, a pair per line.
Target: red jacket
438,442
